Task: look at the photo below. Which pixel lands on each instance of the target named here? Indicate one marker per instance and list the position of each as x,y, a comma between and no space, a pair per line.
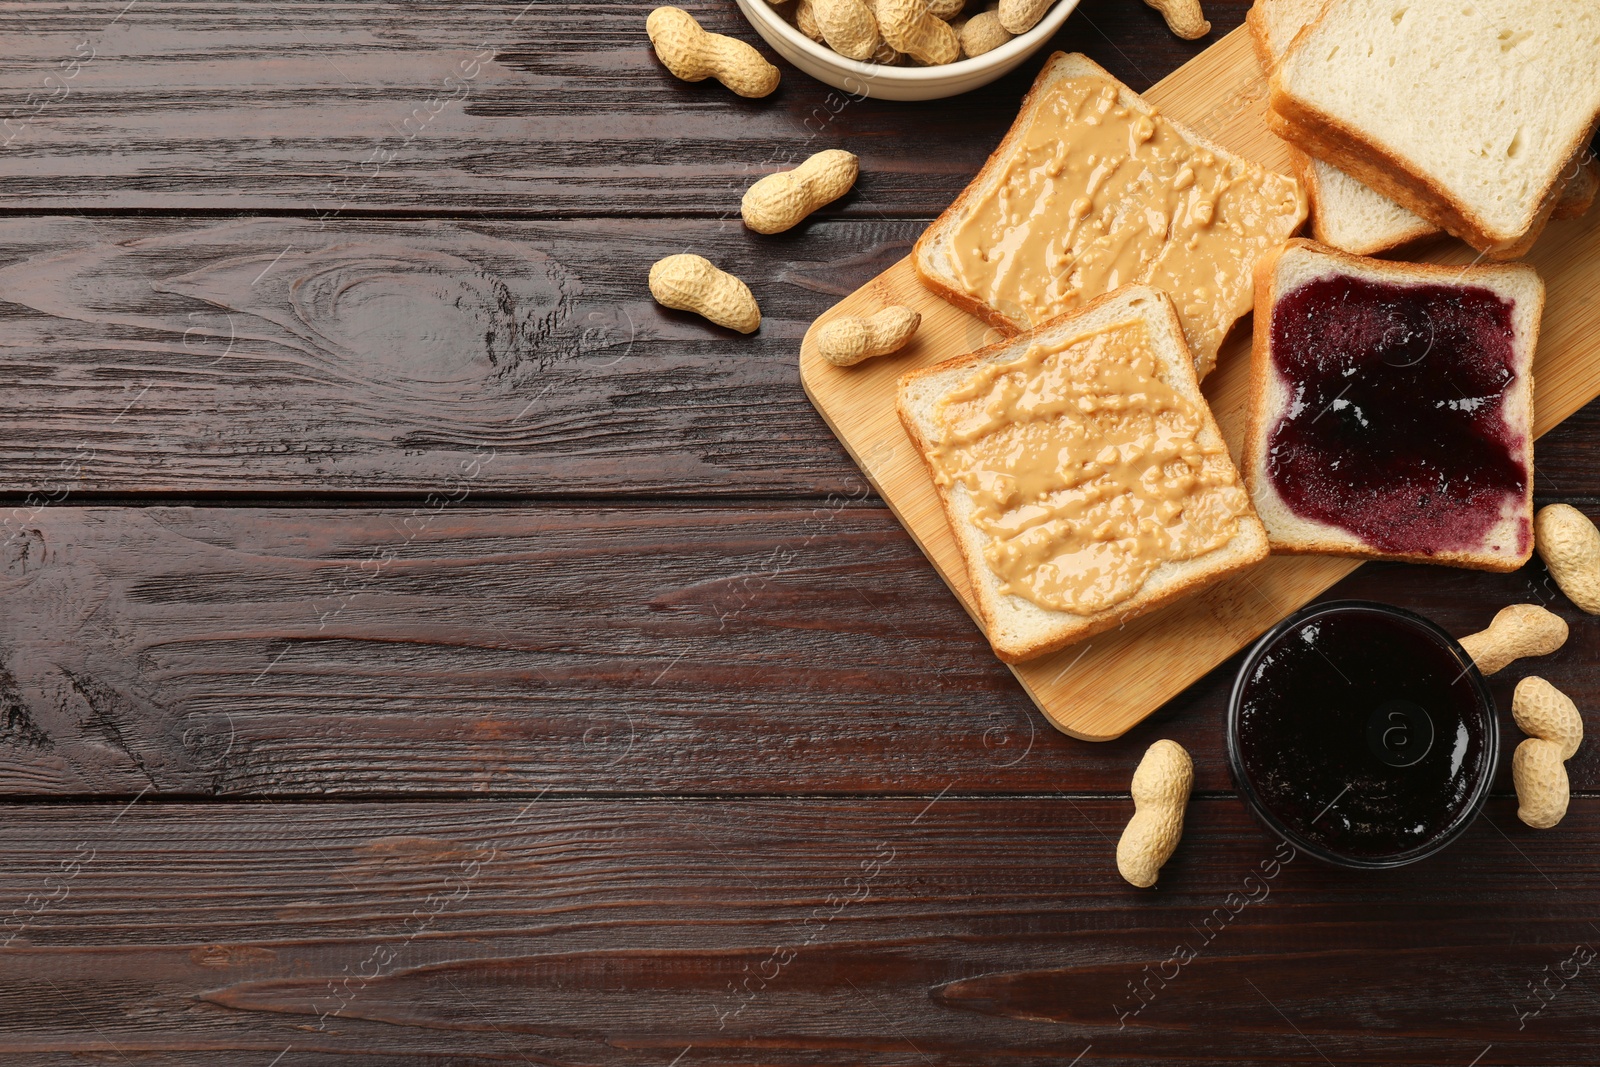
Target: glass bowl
1362,734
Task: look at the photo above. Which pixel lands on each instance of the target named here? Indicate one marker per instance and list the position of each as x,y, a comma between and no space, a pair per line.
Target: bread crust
1253,452
1305,169
1252,447
965,301
1387,173
921,251
1572,196
1376,166
1255,21
1140,603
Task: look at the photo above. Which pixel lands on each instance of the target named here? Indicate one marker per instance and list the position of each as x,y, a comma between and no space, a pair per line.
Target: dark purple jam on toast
1395,427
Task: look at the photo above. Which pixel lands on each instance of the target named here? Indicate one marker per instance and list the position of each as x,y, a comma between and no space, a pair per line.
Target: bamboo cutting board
1099,689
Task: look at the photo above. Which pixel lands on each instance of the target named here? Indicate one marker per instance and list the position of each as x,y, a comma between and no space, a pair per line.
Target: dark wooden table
417,647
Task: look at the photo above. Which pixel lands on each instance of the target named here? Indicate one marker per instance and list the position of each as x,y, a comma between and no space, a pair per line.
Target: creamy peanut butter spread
1096,195
1085,469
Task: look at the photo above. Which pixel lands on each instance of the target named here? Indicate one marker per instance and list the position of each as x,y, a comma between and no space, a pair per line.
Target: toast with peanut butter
1093,188
1082,472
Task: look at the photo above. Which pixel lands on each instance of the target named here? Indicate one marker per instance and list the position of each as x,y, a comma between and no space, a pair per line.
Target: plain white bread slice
1467,113
1348,215
1019,629
1299,262
1344,213
1231,301
1274,24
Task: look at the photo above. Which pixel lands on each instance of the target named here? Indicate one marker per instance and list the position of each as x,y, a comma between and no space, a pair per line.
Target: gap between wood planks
149,798
378,500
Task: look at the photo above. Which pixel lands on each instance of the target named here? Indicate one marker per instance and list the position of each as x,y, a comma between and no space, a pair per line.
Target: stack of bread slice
1344,213
1474,117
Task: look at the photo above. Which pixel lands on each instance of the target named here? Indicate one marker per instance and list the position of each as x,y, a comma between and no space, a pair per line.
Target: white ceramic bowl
898,83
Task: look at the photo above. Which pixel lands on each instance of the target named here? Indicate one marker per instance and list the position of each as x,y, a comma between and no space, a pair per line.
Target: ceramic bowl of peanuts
913,49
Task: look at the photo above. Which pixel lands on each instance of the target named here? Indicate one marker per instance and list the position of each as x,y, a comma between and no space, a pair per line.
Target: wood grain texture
535,109
1099,688
458,653
268,355
782,932
365,355
447,649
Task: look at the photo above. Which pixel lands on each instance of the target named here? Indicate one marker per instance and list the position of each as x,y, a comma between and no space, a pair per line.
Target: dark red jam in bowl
1362,734
1395,426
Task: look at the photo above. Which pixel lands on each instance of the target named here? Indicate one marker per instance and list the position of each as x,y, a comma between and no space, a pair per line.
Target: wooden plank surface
460,650
784,932
1099,688
532,688
264,354
171,354
517,108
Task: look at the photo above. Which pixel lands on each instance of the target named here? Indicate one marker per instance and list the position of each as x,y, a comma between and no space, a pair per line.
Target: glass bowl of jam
1362,734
